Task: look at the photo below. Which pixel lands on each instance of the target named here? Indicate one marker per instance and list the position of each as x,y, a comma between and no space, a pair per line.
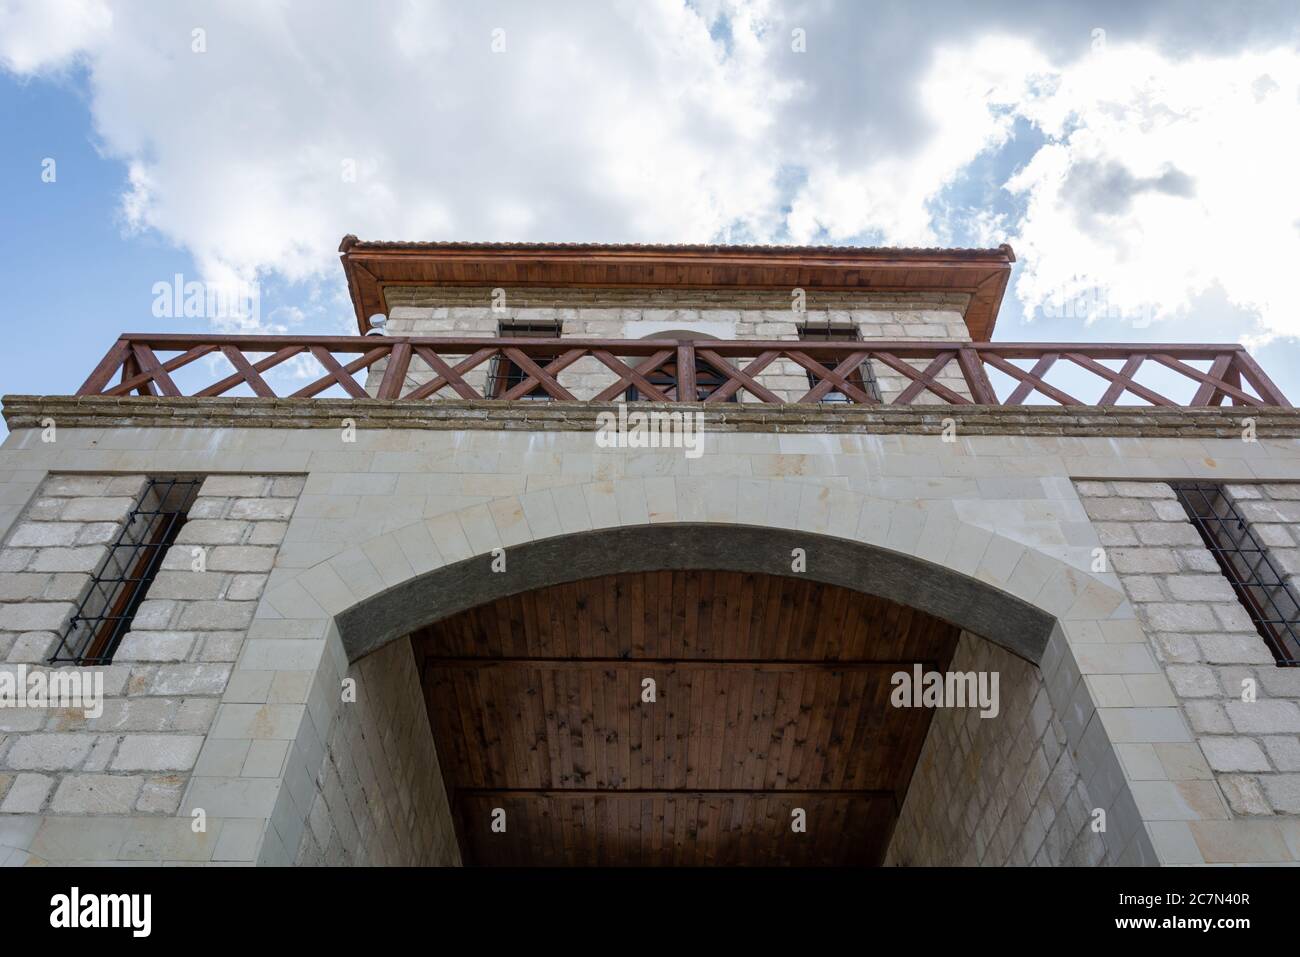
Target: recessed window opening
505,374
864,377
1247,564
119,585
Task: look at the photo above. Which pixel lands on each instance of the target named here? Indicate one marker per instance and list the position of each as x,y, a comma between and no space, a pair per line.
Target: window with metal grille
707,381
120,583
505,374
1255,576
863,376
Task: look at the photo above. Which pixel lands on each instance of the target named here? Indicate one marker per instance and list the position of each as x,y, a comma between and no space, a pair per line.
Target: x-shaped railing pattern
134,363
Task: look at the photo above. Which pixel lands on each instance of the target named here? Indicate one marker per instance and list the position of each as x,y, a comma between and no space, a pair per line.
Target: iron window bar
864,377
119,585
504,374
1255,577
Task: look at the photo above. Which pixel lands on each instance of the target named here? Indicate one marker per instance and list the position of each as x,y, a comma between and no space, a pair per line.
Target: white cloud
966,98
293,128
47,35
1161,178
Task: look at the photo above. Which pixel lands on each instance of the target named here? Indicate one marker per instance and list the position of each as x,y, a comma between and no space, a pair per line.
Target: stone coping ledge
27,412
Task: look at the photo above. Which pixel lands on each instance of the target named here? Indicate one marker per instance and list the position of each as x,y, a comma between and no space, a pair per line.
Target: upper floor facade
816,327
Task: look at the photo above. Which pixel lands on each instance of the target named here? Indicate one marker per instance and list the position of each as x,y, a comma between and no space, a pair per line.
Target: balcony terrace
143,364
542,336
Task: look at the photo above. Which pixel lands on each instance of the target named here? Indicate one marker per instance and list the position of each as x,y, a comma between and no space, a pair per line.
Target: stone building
875,590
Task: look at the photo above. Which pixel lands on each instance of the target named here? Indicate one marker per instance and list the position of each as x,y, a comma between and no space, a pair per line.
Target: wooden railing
134,366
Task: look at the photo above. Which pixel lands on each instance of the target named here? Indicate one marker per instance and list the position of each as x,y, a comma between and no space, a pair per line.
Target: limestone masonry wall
379,797
1248,762
1003,790
170,674
338,523
639,314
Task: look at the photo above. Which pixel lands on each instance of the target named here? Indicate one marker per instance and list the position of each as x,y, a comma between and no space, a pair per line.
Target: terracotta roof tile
352,242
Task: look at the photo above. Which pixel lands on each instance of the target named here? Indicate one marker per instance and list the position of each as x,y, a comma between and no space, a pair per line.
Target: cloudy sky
1140,157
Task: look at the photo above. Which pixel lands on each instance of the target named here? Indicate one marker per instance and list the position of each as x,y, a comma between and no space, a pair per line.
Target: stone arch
1011,597
891,545
679,334
967,602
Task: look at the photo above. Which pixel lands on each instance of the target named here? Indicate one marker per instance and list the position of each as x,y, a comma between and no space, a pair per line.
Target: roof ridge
350,241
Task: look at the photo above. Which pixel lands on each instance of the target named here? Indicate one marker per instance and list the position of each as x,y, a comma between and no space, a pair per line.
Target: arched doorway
532,671
687,717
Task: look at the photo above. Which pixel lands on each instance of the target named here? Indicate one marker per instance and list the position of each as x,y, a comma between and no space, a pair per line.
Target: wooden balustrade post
686,390
399,360
977,380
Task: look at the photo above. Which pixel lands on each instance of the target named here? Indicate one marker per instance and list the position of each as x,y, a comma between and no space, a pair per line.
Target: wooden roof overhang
371,267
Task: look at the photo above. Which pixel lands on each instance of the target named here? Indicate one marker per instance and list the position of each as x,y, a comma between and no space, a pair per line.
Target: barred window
863,376
505,374
122,580
1255,576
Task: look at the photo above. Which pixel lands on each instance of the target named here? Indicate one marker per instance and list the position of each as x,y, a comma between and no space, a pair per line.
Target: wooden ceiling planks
638,828
772,693
786,619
